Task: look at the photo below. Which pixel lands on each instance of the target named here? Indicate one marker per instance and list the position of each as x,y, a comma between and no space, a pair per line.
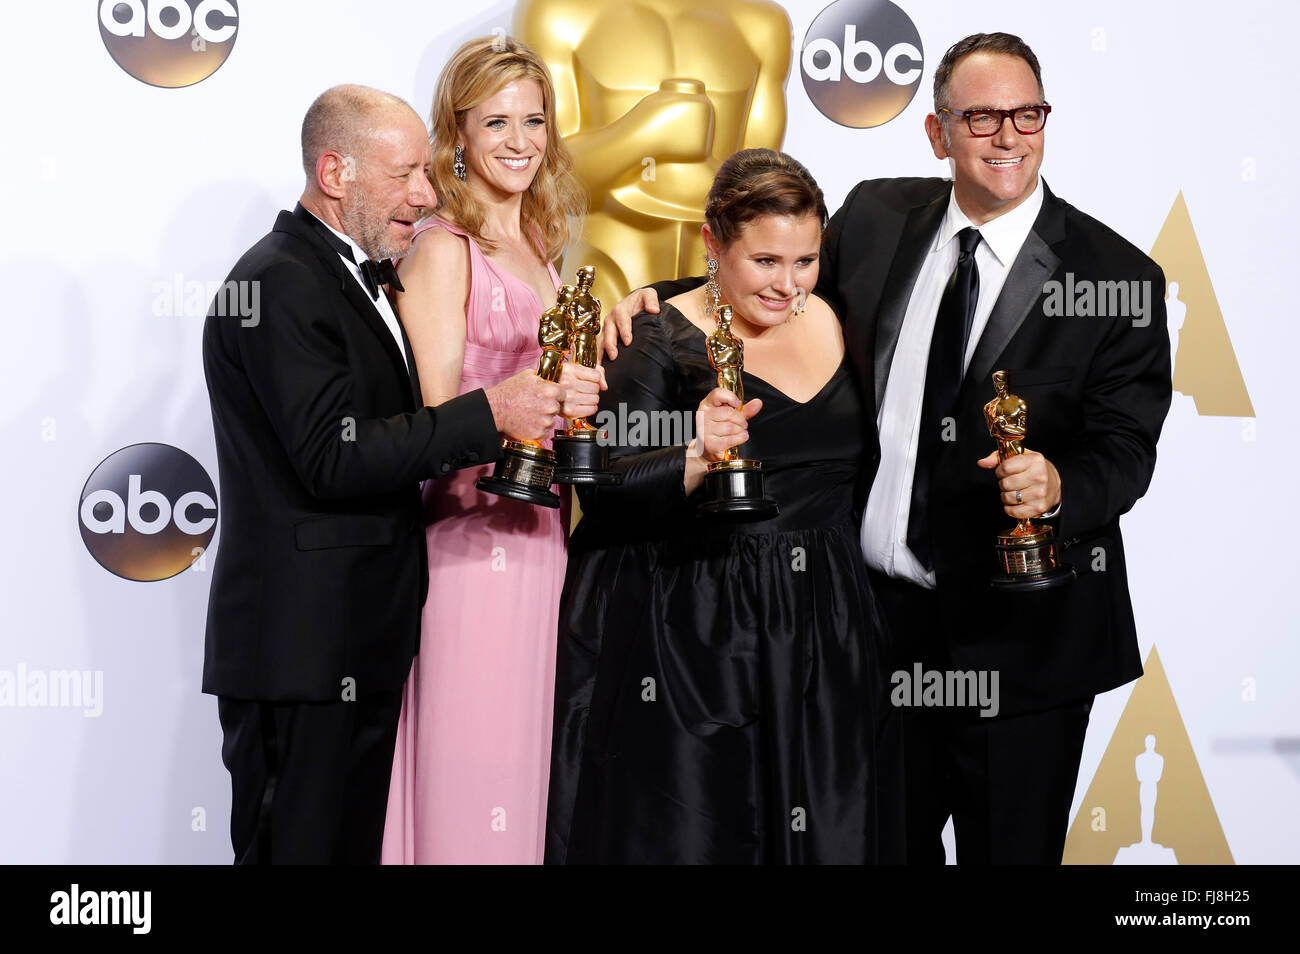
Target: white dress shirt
382,304
884,524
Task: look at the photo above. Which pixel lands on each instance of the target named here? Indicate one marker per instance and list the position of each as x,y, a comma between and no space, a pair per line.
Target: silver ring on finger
1019,497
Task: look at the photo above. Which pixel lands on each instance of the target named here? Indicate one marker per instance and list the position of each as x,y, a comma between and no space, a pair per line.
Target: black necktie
943,374
375,274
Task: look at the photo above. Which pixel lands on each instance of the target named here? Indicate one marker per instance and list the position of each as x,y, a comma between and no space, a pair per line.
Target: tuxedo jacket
1097,390
322,441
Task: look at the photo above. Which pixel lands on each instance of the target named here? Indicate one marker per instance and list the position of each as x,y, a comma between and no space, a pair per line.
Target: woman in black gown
720,690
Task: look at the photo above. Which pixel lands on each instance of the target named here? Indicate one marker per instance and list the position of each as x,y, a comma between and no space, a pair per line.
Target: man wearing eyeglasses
940,284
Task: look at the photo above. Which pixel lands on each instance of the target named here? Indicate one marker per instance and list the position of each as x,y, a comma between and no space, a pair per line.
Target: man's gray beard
369,228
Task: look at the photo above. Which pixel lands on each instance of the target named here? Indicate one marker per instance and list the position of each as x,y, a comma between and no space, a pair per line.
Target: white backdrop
112,186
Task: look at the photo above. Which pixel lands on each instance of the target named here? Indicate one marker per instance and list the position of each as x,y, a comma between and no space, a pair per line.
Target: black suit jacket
321,444
1098,389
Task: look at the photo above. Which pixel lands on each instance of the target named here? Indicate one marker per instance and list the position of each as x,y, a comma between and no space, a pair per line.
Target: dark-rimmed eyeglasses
983,123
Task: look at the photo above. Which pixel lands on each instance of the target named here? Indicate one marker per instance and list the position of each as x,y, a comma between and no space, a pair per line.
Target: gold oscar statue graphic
527,470
651,97
1149,766
733,486
581,456
1027,552
1205,365
1148,802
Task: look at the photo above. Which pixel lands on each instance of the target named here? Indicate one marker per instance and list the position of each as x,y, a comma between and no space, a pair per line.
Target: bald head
345,119
366,155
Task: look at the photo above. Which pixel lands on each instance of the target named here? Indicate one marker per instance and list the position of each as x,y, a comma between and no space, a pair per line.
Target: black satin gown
720,690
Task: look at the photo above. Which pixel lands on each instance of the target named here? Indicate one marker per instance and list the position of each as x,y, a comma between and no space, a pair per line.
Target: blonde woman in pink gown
470,770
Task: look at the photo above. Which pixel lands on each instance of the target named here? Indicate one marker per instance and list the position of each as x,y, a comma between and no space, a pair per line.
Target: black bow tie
375,274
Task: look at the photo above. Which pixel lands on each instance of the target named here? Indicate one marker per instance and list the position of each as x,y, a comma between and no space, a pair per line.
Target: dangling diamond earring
712,290
458,165
800,301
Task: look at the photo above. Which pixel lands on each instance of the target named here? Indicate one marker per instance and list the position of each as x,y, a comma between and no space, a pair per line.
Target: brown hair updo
756,182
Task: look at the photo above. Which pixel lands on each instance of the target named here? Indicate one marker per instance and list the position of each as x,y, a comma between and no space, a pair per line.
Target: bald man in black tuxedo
322,441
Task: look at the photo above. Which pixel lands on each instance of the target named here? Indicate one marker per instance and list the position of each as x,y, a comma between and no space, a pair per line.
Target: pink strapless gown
474,742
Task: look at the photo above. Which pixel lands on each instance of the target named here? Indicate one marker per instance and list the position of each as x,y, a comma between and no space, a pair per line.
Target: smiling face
388,189
769,267
504,139
994,174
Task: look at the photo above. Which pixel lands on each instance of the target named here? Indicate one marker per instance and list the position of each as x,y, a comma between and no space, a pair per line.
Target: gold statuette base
1027,560
734,492
525,473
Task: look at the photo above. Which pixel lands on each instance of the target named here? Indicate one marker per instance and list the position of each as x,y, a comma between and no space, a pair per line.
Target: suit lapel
1035,264
365,306
917,233
301,225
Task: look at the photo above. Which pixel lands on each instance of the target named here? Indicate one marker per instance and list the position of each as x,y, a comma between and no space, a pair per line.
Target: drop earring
712,290
458,164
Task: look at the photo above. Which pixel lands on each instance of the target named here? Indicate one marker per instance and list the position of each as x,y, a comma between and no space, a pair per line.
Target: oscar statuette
581,454
527,469
733,486
1026,553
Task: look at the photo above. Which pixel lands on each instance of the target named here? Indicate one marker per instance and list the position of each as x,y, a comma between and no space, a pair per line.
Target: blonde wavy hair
553,205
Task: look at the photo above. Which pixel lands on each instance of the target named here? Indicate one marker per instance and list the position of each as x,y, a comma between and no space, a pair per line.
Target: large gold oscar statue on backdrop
651,97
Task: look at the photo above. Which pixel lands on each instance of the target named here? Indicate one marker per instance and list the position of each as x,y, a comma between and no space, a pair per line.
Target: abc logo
862,62
148,511
169,43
